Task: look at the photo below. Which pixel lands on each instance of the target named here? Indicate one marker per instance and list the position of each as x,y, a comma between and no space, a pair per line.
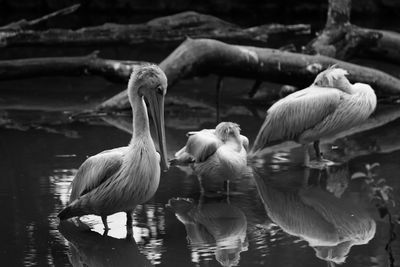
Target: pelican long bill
156,102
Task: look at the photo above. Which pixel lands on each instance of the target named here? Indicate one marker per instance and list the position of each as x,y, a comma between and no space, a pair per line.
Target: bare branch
205,56
173,28
114,70
25,24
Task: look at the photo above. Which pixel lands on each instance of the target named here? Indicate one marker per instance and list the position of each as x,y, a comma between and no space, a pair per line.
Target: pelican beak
156,102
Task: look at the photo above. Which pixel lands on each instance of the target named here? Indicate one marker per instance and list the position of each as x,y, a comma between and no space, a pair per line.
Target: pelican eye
159,90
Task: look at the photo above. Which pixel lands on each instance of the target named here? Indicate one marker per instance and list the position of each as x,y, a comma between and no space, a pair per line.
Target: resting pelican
119,179
330,105
215,152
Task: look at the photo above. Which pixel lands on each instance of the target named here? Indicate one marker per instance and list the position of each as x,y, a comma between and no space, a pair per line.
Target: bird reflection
89,248
329,224
213,227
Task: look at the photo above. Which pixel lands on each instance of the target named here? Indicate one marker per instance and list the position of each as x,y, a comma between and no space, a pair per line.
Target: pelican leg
104,220
319,163
254,88
318,153
129,221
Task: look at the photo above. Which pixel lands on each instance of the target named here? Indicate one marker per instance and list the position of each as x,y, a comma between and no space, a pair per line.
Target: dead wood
27,24
205,56
173,28
91,64
342,40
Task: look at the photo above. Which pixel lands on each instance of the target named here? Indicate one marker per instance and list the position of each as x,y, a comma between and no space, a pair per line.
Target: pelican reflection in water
329,106
119,179
218,227
330,225
218,153
89,248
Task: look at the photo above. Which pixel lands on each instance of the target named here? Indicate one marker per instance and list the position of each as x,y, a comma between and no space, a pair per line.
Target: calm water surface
279,214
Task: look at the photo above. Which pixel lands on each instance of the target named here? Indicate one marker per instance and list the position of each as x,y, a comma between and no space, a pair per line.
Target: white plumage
119,179
216,152
330,105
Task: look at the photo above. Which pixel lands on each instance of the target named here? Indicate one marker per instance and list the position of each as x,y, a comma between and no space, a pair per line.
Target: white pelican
330,105
119,179
215,152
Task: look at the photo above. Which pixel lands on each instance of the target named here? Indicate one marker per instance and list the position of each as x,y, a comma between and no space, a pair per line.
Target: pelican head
150,82
226,130
333,77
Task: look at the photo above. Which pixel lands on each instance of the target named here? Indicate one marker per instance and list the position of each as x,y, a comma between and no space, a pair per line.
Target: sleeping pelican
219,152
330,105
119,179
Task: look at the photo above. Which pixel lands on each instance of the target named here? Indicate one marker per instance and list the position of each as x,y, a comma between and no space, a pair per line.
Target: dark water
284,215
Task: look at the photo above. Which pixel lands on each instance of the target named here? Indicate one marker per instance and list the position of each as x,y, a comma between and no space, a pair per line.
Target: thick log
386,47
342,40
205,56
114,70
27,24
173,28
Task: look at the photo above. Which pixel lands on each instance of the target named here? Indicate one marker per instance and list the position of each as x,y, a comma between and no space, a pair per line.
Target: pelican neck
140,119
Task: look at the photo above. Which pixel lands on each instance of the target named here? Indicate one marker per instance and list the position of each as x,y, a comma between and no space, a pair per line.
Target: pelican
119,179
215,150
219,152
330,105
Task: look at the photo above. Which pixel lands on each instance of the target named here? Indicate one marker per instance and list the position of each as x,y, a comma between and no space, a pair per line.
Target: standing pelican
219,152
330,105
119,179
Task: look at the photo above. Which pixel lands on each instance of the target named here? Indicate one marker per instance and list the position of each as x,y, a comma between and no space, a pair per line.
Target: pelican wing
95,170
201,145
296,113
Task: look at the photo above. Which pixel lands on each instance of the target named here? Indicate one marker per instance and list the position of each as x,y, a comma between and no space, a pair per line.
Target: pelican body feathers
330,105
216,152
119,179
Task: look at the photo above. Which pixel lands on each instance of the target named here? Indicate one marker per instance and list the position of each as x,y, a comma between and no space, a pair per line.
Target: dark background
93,12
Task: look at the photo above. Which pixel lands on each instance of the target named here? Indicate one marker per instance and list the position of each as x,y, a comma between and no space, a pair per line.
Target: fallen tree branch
342,40
91,64
173,28
27,24
205,56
